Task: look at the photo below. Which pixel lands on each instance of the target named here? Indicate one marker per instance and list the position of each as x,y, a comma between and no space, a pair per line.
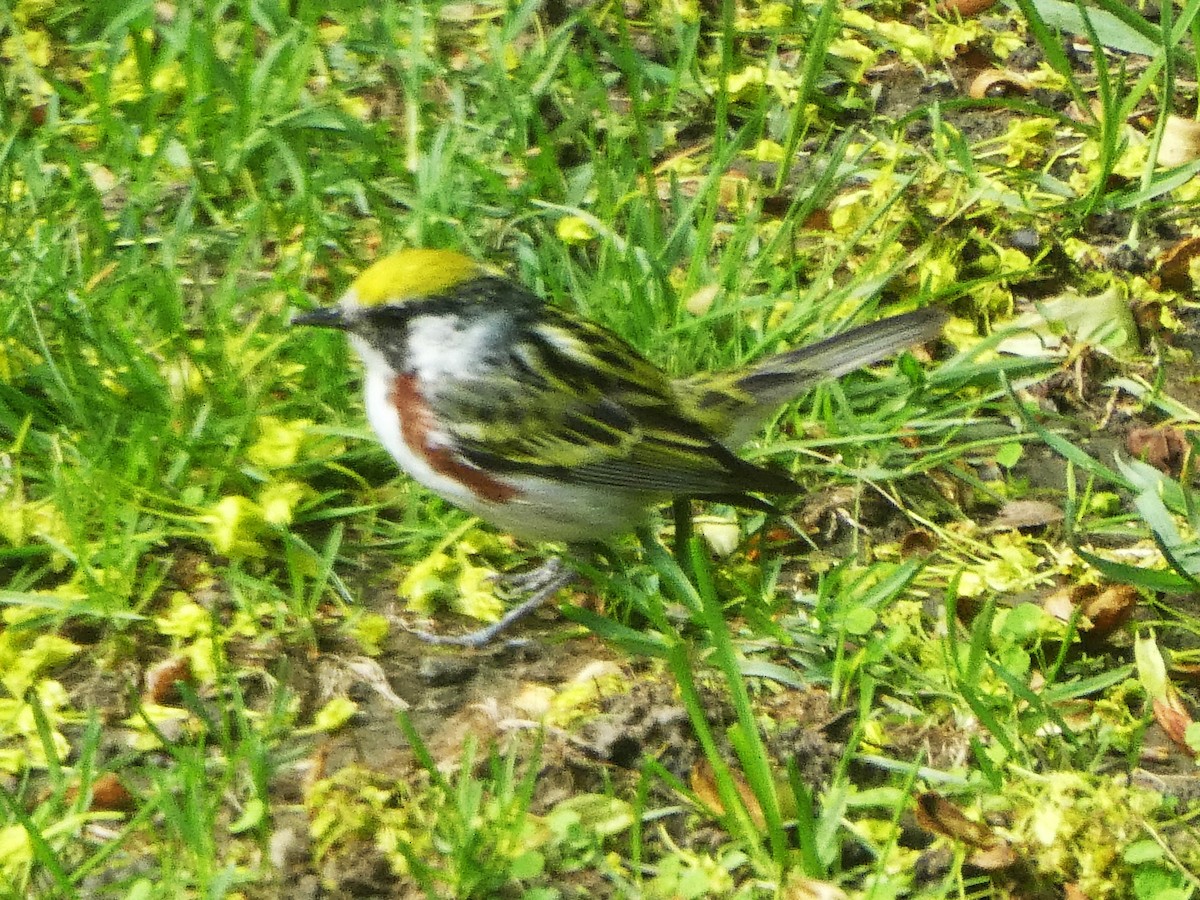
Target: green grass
183,477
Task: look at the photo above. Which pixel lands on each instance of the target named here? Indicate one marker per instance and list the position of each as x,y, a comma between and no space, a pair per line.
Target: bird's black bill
326,317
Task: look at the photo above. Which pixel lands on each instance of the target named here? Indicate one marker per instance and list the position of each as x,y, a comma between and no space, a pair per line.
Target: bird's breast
425,439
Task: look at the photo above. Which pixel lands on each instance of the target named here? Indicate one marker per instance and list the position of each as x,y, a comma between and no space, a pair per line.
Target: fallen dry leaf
163,680
1163,447
938,815
1180,141
998,83
1061,604
964,8
1148,316
917,542
110,795
1109,609
1174,264
818,220
992,859
1026,514
704,784
1173,717
1102,609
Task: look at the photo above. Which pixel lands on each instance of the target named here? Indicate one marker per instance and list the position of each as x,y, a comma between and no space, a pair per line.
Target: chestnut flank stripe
416,422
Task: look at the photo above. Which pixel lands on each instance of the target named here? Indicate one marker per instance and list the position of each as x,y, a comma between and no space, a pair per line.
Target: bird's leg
535,579
544,582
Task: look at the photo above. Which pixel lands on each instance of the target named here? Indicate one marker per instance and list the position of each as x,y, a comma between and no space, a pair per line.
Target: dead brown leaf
1180,141
964,8
938,815
1148,316
818,220
1173,717
1162,446
110,795
1103,609
163,680
704,784
1109,609
1174,264
917,542
998,83
1060,604
1000,855
1017,514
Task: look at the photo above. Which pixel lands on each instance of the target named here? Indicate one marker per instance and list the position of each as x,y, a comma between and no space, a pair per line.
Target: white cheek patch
447,347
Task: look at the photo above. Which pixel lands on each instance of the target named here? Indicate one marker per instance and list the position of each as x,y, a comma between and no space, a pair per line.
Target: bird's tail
746,399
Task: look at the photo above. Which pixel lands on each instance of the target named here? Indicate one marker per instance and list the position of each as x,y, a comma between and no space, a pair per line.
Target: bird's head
392,282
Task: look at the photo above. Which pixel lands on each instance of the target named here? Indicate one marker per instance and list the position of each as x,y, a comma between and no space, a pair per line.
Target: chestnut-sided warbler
549,426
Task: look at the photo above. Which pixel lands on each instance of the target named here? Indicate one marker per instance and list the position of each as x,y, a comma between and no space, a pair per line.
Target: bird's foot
541,583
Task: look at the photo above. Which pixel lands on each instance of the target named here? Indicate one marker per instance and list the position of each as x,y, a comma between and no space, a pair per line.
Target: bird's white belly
550,511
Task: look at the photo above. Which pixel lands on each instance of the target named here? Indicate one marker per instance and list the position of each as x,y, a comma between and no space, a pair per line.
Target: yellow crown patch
409,274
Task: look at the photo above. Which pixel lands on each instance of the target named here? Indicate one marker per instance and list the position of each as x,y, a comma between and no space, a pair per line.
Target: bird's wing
573,402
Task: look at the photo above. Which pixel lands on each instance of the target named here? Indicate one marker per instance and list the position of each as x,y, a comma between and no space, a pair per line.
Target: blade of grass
749,744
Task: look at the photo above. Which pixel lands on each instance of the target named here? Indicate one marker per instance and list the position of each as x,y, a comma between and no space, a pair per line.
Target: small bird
551,427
